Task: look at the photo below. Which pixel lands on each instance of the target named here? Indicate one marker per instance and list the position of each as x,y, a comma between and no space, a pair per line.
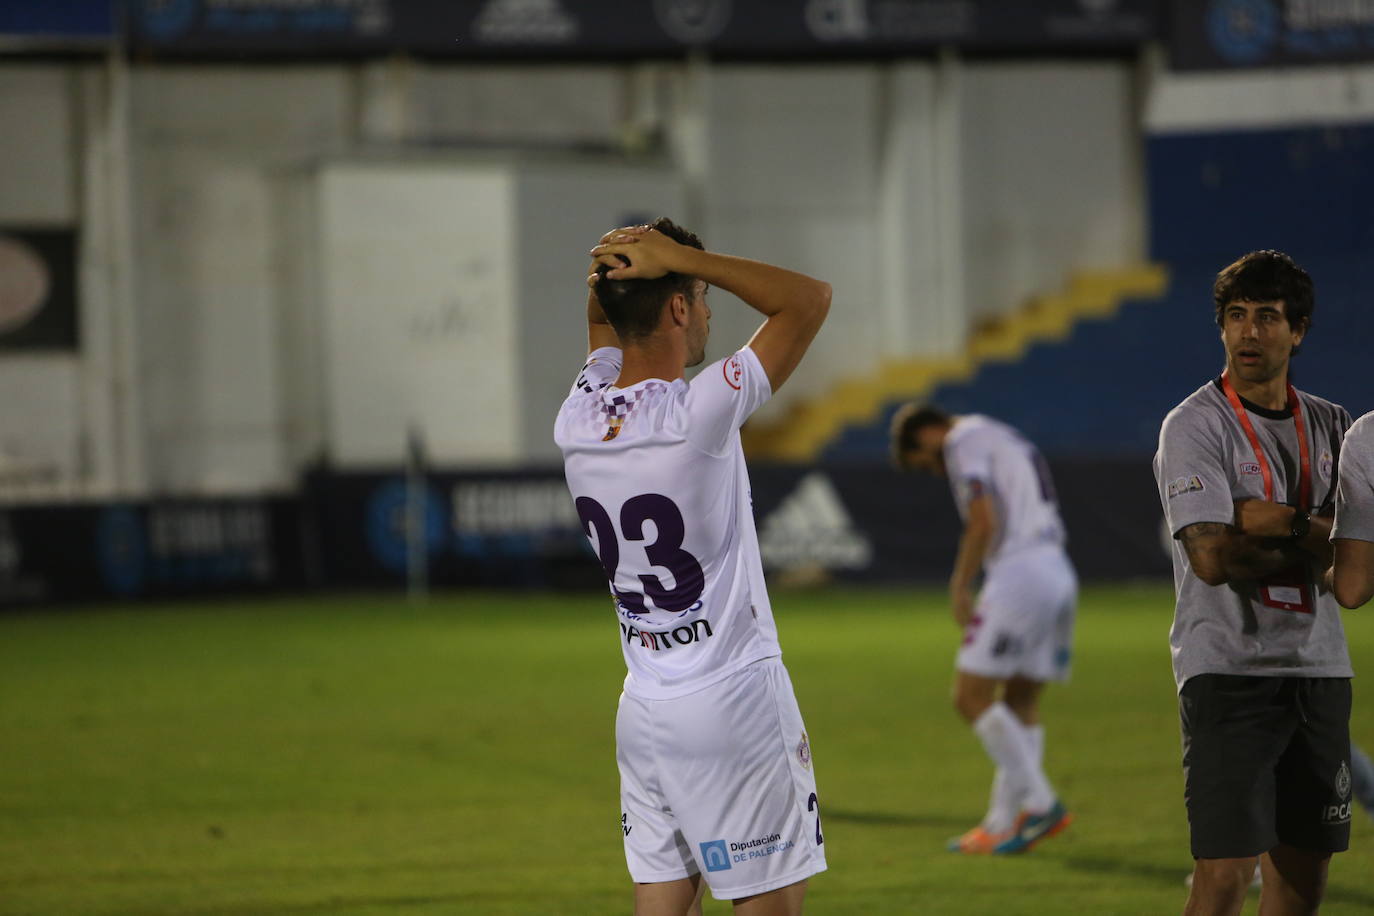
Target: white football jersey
983,455
657,474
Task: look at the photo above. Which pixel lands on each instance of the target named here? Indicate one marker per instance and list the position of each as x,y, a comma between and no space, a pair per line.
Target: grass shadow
1161,874
892,819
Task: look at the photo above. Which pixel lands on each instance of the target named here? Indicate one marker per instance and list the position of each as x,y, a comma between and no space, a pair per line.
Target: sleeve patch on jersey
733,372
584,383
1325,465
1180,485
1250,468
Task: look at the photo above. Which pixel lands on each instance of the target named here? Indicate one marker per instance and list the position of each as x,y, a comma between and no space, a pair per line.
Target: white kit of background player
715,764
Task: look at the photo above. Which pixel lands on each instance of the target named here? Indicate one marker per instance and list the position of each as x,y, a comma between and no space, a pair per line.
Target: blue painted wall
1213,197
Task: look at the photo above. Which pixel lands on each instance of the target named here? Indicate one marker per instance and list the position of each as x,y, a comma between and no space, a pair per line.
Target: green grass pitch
361,755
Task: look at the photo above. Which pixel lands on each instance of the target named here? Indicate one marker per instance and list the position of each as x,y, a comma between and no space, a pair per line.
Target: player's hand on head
647,253
626,231
623,235
608,261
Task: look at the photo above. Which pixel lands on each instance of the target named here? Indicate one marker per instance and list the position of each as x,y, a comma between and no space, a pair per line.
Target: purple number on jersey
665,551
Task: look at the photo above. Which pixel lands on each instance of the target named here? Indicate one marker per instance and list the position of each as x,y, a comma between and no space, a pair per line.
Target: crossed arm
1254,545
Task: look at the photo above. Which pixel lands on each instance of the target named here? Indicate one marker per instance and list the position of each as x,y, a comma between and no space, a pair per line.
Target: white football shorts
720,782
1023,621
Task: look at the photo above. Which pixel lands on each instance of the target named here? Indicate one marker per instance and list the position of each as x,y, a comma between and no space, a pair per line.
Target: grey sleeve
1190,471
1355,486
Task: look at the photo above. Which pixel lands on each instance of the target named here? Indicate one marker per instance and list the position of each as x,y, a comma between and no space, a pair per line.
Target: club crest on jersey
1325,465
804,752
733,372
613,429
1180,485
1249,467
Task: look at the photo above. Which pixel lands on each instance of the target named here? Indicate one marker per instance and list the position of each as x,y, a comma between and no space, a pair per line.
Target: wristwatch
1302,523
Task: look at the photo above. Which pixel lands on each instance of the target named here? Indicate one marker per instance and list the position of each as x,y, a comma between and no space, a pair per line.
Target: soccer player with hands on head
716,773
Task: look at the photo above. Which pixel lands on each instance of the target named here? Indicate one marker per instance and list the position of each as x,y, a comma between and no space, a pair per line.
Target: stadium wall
877,177
62,409
1233,163
174,178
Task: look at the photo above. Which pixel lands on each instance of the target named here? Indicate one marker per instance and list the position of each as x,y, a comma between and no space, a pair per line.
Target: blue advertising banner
856,524
142,550
1229,34
614,28
80,19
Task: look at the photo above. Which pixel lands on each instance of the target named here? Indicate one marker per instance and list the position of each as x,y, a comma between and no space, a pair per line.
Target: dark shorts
1266,760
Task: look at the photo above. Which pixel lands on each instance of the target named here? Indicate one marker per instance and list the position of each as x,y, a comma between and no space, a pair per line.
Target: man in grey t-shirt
1246,473
1352,570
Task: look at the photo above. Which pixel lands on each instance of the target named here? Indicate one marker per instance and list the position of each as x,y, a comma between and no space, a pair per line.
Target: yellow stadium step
810,425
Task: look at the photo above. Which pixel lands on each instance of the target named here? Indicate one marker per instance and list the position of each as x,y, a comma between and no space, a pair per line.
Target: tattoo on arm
1220,553
1201,530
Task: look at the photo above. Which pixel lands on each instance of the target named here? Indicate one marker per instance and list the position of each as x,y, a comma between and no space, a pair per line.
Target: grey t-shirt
1355,492
1285,625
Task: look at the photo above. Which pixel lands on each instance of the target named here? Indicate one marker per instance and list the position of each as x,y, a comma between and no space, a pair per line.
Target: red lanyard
1305,457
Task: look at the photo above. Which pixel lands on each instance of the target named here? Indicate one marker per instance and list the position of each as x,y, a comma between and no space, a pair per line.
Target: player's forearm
1317,543
973,549
599,331
1245,558
767,288
1351,576
1353,588
1263,519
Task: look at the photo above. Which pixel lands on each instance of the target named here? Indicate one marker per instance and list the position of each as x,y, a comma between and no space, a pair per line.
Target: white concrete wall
420,313
792,178
920,211
206,143
1051,177
68,421
41,405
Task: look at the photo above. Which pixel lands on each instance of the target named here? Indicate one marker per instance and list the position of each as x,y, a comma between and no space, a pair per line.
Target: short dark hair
1266,276
633,307
907,421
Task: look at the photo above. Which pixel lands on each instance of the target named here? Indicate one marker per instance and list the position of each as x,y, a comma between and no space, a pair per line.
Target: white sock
1006,742
1004,803
1036,734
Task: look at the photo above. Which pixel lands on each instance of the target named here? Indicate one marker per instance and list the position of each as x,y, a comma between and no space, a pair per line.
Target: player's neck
652,359
1271,394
